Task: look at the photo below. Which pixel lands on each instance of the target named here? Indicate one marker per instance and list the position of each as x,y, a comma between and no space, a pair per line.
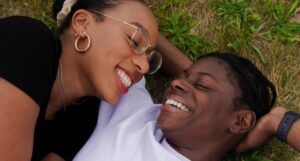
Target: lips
123,79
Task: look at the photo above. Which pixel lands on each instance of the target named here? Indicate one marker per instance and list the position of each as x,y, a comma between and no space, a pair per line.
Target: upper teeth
124,78
177,104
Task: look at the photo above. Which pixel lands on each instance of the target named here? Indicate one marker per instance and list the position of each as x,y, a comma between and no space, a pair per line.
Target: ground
265,31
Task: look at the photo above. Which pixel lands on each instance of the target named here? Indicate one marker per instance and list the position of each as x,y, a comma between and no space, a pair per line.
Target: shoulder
29,56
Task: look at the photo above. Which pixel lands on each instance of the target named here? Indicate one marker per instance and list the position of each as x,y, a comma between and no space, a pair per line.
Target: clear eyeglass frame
143,47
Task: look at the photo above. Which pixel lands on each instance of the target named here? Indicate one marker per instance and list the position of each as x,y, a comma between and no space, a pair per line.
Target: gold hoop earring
86,36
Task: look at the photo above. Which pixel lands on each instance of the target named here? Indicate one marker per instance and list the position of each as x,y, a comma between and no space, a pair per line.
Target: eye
201,87
133,42
128,38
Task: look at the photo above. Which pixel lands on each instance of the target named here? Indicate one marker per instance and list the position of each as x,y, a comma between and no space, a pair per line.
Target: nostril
178,88
139,64
138,67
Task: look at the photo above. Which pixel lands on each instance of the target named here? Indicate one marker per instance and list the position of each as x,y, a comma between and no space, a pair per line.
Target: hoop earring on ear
86,36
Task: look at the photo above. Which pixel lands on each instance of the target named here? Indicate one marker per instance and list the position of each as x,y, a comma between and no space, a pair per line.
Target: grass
260,30
39,9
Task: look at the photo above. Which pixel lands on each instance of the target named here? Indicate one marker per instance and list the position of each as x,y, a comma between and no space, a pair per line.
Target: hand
264,130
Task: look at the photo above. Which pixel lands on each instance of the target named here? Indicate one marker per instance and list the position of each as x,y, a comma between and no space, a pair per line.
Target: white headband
63,13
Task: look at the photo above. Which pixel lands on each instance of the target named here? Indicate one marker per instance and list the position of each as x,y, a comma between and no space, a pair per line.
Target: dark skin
266,129
212,121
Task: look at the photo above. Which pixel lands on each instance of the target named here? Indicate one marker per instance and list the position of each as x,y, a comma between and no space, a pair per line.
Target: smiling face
199,105
111,66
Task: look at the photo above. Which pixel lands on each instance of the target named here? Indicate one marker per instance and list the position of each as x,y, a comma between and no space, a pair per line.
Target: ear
80,21
243,121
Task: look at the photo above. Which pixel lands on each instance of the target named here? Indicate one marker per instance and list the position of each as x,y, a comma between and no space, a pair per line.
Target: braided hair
96,5
255,90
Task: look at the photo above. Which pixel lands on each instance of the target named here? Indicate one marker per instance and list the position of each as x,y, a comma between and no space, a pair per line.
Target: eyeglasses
140,43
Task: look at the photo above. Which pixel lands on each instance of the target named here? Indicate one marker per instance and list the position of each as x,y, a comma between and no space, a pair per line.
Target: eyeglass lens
155,61
140,44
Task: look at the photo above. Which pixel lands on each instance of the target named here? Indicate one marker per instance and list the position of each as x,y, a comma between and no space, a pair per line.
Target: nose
141,63
179,85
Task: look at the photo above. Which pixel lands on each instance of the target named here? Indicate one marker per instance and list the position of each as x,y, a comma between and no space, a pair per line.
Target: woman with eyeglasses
103,48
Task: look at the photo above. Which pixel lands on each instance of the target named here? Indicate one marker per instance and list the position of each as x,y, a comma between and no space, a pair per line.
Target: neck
67,87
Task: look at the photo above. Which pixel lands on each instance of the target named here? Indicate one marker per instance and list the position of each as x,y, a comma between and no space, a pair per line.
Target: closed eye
128,38
201,87
133,43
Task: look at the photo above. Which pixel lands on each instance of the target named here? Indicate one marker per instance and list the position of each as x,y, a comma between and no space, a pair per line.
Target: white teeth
176,104
124,78
168,101
179,105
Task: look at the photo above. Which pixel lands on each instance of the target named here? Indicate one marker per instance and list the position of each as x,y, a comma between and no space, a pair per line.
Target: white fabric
128,132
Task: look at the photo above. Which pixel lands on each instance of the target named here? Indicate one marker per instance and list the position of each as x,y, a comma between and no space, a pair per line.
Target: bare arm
174,61
293,136
52,157
266,129
18,115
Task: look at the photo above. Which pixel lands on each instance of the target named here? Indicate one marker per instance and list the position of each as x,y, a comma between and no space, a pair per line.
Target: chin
162,123
111,99
107,93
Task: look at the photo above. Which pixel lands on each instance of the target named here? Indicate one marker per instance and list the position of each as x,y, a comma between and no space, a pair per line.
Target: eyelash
201,87
133,41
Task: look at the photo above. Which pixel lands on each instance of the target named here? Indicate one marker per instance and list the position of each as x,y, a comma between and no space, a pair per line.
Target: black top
71,128
29,57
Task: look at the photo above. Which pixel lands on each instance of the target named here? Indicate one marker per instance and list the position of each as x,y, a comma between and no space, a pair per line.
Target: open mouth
177,104
124,80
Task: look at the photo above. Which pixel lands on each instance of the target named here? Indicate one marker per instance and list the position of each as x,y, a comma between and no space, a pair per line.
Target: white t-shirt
128,131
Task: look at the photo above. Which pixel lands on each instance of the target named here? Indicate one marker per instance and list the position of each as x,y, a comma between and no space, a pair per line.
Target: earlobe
243,122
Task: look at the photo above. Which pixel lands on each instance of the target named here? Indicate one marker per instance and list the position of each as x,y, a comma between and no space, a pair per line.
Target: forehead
217,68
136,12
221,72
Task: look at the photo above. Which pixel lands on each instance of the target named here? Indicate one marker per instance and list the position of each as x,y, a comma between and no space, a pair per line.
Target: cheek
107,41
105,86
219,111
204,102
210,109
106,56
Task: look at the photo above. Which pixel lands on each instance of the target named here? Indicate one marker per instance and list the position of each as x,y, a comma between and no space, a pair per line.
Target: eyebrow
138,24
